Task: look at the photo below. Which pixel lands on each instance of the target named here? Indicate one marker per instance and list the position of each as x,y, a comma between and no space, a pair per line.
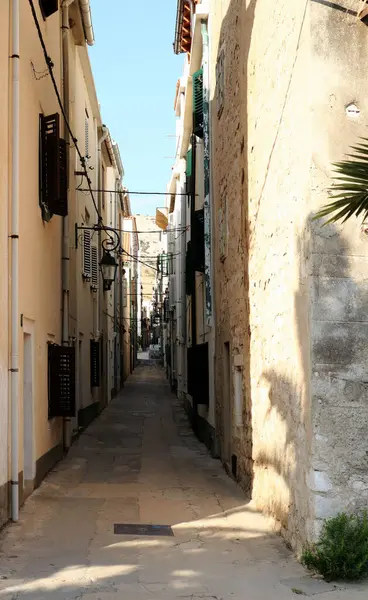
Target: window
87,254
52,168
197,78
48,7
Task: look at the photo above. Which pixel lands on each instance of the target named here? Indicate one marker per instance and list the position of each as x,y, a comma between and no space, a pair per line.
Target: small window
48,7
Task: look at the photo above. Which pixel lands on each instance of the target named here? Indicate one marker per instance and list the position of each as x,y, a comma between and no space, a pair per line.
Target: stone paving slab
140,463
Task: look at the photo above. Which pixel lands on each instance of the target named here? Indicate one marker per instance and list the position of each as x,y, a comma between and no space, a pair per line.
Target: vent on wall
48,7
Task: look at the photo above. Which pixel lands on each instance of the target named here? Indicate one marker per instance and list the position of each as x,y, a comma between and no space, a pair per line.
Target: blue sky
135,71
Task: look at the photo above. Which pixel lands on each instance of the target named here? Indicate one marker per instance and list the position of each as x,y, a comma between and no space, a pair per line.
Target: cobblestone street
139,463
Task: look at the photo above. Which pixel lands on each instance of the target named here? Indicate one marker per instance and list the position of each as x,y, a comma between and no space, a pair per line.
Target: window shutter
198,241
94,267
189,159
53,168
197,79
60,204
48,7
49,160
125,293
87,258
61,381
95,363
189,270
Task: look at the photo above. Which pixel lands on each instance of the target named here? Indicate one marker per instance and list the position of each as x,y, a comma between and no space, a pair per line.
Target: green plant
349,194
342,549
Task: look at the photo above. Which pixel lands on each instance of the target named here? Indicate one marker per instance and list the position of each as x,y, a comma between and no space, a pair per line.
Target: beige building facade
61,366
288,295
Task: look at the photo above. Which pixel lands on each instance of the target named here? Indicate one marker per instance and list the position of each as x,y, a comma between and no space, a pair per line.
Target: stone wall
339,467
289,297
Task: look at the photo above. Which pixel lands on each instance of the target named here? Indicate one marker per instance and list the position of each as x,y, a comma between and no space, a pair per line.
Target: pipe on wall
85,9
14,366
65,274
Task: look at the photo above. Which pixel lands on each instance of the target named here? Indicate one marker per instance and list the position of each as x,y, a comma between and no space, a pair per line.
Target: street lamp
109,267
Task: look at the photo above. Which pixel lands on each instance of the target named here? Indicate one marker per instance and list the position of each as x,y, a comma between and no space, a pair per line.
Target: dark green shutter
197,79
189,160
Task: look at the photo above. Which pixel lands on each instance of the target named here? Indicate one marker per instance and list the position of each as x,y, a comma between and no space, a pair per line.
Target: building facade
275,106
59,358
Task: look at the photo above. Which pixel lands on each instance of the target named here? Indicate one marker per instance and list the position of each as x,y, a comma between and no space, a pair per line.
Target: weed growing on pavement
341,552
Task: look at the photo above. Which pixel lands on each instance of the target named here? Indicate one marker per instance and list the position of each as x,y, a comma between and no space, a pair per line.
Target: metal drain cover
133,529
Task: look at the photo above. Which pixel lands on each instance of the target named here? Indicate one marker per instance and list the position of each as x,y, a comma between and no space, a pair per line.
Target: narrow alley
139,463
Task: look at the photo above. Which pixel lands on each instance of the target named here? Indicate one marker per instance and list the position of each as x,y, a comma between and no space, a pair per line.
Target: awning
162,218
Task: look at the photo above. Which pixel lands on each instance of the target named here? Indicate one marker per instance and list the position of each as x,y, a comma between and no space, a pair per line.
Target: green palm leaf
349,193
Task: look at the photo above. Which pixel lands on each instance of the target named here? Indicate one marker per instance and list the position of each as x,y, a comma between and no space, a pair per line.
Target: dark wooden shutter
61,381
50,163
95,363
197,79
189,270
48,7
59,205
53,168
198,241
198,373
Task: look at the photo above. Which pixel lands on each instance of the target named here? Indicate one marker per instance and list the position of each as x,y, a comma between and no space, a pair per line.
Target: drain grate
134,529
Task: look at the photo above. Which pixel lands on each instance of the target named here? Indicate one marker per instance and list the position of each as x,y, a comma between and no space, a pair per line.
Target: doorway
226,405
28,415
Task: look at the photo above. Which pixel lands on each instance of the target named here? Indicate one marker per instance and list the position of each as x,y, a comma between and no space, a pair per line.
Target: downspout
85,9
105,133
194,278
67,424
14,368
100,294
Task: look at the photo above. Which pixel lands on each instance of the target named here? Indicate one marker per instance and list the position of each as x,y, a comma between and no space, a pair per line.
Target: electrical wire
50,66
139,261
127,192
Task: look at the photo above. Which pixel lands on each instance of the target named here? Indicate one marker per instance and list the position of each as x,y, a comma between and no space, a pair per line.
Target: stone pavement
139,463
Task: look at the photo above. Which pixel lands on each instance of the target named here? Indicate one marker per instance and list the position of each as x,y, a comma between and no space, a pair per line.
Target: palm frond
349,192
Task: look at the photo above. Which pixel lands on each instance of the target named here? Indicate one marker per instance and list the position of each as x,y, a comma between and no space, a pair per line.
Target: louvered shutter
59,206
87,256
125,293
198,241
49,161
189,158
53,168
197,79
94,267
61,381
95,363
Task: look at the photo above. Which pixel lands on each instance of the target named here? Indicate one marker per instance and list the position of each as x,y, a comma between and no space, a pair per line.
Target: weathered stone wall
295,321
339,468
